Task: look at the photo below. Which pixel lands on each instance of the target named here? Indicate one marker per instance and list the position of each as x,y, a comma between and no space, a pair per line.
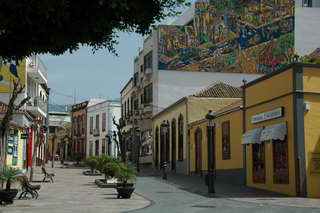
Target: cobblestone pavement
74,192
168,197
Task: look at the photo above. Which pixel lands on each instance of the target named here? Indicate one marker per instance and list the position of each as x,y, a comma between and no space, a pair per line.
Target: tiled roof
220,90
316,53
234,105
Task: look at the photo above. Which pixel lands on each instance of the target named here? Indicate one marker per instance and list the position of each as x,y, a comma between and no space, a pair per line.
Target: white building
100,128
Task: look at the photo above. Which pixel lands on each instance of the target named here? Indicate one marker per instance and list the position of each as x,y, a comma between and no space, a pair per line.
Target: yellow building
16,147
227,150
282,131
173,146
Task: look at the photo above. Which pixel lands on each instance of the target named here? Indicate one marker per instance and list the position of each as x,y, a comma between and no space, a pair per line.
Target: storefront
281,132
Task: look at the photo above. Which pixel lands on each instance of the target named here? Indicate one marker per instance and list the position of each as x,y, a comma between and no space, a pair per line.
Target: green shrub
107,165
125,172
91,162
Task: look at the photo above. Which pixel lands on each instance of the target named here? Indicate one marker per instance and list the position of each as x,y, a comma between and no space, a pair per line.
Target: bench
27,188
47,175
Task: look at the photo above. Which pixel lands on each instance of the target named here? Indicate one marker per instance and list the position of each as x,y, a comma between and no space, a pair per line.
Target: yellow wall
312,141
6,77
281,84
285,102
20,153
311,79
170,114
236,161
199,107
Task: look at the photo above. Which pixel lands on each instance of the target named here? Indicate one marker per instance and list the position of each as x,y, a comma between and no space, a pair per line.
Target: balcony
37,70
37,107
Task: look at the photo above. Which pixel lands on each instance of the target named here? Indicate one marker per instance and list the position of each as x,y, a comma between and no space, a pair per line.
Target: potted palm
10,176
92,163
124,174
107,165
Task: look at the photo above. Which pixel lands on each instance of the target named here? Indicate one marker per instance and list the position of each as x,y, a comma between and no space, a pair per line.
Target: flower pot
125,191
8,196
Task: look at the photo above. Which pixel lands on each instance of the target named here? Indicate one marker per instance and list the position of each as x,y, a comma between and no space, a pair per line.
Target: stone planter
8,196
88,173
102,184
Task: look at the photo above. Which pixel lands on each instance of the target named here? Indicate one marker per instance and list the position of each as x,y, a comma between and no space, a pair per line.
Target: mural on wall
11,70
238,36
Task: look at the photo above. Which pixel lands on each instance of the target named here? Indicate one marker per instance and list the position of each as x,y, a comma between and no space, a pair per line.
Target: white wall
173,85
307,30
111,108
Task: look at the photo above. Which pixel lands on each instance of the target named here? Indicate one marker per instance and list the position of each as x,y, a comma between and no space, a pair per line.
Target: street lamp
164,128
211,151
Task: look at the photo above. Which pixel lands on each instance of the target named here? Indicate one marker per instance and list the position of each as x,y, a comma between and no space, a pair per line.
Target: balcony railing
37,65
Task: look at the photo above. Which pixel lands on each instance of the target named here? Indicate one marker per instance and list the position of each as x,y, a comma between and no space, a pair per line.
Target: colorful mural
238,36
9,71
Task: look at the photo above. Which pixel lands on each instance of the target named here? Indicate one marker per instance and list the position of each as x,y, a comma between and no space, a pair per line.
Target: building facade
173,146
101,132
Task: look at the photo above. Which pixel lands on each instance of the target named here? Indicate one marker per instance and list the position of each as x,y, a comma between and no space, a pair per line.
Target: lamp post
164,128
211,152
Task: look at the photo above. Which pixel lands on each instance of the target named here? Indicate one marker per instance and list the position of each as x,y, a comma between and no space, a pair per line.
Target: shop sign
264,116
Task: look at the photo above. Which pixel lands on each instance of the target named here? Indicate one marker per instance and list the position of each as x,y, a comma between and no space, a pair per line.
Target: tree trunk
34,155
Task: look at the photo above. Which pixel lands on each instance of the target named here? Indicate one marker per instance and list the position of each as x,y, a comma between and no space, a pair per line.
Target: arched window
180,138
173,144
168,143
156,147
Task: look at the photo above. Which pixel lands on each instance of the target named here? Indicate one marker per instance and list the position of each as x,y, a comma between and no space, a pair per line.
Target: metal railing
38,102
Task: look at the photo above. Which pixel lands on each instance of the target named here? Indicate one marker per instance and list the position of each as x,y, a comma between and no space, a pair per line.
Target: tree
11,109
63,25
120,142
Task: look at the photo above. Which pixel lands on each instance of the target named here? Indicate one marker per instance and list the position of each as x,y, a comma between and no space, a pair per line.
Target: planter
125,191
89,173
8,196
102,184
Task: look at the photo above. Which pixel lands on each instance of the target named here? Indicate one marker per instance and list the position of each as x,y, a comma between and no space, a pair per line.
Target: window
259,165
91,148
103,151
226,154
141,99
97,147
180,138
91,125
141,68
104,120
97,122
148,94
306,3
136,104
135,78
280,162
148,61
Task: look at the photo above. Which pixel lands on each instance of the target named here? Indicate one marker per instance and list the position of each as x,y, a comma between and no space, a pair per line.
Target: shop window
226,150
180,138
259,164
280,162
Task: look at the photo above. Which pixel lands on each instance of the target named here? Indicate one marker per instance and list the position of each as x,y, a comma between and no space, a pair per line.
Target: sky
88,75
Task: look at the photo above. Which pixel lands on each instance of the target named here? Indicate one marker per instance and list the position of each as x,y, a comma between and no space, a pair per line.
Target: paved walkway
196,185
74,192
170,198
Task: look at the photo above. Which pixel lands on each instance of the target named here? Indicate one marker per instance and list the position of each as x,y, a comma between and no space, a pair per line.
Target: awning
276,131
251,136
